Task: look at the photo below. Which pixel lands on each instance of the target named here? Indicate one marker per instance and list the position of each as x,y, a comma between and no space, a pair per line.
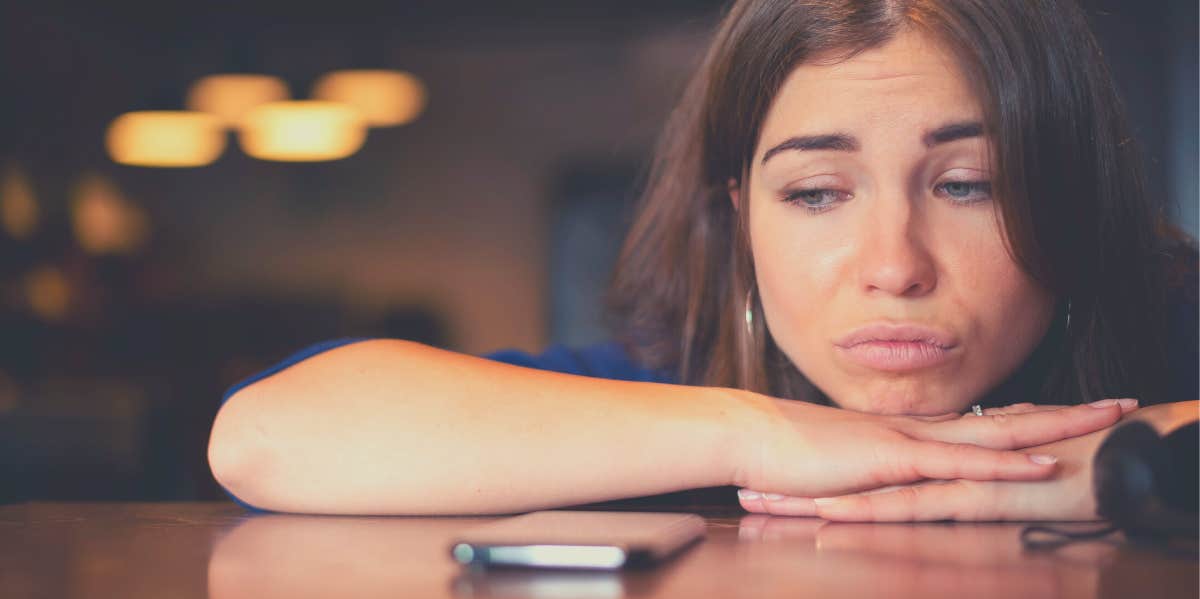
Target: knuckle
959,454
960,451
978,503
1004,431
890,466
909,496
867,507
961,503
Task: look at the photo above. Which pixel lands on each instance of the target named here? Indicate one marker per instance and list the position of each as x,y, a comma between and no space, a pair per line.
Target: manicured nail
1128,403
748,494
825,500
1041,458
1104,403
772,496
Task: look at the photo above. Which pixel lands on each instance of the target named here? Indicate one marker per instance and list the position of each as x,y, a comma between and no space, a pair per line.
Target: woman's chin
906,400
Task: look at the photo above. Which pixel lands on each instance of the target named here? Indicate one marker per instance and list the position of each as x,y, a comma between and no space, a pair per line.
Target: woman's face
879,254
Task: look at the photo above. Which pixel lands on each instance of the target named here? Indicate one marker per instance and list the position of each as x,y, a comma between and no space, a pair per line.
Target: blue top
606,360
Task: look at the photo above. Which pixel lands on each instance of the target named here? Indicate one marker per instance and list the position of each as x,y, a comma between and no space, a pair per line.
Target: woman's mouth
897,347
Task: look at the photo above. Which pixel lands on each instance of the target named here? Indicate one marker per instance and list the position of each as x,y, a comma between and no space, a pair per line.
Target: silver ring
977,410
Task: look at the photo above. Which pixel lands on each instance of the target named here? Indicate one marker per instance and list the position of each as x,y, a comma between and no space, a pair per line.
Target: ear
735,192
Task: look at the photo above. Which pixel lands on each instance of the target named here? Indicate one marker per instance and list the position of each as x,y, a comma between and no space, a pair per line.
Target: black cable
1053,538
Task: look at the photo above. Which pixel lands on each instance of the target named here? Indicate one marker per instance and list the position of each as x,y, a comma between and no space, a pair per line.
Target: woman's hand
807,451
1067,496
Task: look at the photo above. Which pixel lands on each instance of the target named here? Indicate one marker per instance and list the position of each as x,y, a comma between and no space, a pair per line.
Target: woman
864,218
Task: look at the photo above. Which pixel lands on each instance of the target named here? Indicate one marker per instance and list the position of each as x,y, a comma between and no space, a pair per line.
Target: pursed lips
897,347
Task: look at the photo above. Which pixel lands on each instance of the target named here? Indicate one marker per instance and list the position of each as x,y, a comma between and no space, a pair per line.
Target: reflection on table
220,551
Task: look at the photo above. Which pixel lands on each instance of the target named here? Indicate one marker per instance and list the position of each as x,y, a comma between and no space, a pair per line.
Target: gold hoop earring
749,313
1068,331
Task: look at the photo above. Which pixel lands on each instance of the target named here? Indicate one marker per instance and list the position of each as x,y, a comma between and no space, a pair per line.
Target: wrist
746,417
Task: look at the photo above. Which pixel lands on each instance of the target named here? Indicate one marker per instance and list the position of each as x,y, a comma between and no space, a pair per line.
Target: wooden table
176,550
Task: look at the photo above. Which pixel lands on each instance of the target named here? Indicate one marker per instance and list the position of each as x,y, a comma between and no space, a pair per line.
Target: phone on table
578,540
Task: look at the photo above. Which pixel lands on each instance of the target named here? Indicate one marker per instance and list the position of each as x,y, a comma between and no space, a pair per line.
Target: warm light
165,138
104,221
303,131
230,97
18,208
48,294
385,98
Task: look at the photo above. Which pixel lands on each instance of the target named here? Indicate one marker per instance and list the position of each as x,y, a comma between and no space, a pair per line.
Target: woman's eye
965,192
814,200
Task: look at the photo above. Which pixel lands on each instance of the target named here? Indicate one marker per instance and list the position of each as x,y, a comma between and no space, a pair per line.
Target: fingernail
1104,403
825,500
1128,403
772,496
748,494
1041,458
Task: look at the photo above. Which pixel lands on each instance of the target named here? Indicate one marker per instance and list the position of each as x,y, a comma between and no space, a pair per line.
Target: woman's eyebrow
952,132
842,142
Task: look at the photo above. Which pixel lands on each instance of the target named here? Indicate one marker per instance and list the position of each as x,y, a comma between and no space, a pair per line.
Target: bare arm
392,427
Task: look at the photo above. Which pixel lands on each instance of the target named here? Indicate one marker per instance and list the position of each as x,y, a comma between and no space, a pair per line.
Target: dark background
489,222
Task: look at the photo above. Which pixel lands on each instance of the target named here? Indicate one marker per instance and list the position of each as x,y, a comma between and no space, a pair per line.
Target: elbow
236,455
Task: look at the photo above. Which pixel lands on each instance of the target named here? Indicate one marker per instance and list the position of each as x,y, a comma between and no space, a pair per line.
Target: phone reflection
537,584
937,560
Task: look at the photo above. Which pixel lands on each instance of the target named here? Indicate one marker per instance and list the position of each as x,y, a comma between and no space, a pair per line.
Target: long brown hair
1069,187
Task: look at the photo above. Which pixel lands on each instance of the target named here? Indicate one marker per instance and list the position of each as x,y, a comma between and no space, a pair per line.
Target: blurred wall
449,212
454,209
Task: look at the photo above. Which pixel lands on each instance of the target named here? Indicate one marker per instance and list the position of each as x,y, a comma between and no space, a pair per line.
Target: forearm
389,427
1076,500
1167,417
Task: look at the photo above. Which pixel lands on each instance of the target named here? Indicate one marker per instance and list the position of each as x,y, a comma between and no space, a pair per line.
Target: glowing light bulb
48,293
166,138
18,208
104,221
230,97
302,131
385,98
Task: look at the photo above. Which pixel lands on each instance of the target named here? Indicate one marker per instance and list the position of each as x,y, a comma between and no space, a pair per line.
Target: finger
1127,406
1013,431
945,461
939,417
950,500
1018,408
775,504
1026,408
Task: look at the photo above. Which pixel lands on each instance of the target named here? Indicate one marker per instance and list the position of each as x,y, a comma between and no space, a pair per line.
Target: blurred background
150,260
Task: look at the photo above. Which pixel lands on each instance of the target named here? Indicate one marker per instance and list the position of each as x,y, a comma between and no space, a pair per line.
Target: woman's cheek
800,261
1010,313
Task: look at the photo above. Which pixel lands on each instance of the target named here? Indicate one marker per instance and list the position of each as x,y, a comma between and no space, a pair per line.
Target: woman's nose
894,256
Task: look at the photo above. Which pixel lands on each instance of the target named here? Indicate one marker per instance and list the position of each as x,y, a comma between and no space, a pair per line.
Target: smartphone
578,540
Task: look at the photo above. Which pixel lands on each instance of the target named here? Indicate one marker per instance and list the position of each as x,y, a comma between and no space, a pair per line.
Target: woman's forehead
907,85
907,53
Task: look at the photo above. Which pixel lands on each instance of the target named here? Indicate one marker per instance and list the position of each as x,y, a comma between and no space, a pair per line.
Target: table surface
133,550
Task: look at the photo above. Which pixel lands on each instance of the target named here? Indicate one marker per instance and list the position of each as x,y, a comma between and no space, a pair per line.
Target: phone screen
578,539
